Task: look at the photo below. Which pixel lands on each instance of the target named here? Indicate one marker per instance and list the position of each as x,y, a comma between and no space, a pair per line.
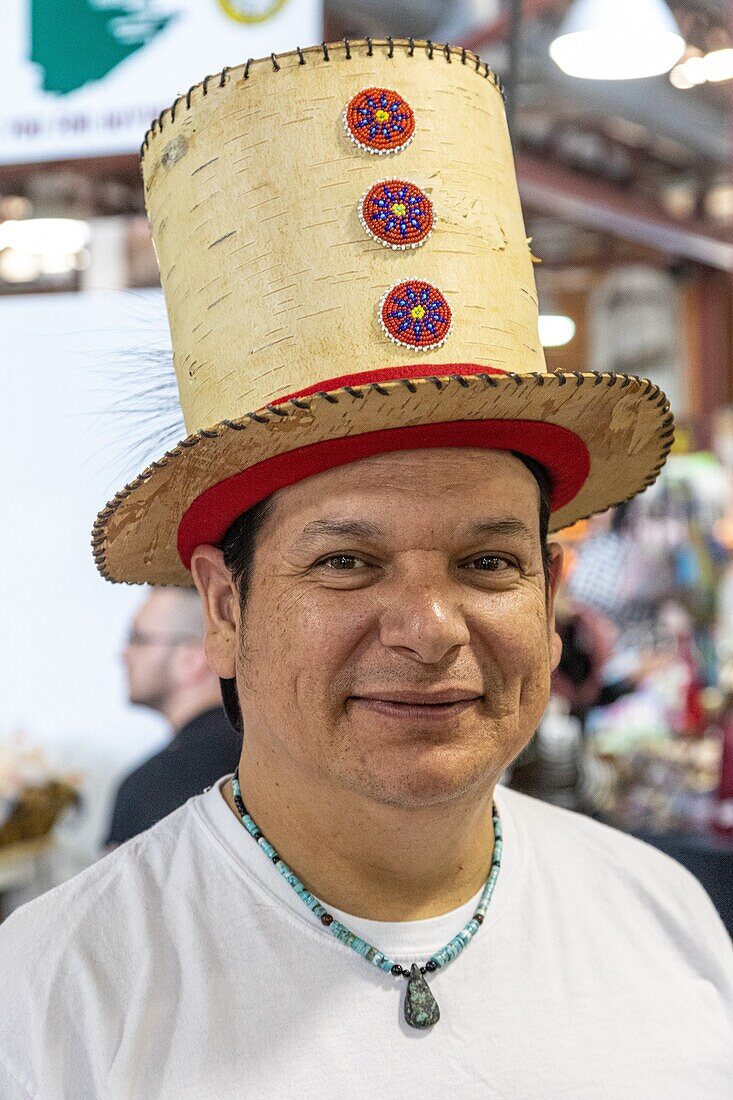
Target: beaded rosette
379,121
415,315
397,214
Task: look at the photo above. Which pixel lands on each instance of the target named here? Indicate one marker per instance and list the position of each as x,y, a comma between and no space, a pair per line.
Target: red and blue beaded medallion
397,214
415,315
379,121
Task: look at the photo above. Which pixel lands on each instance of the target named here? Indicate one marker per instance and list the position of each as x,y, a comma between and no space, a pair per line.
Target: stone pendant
421,1007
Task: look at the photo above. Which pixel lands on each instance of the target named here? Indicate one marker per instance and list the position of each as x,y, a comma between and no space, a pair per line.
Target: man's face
397,639
149,652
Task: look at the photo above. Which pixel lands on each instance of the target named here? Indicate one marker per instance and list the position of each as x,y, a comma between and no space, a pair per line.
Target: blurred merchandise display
549,767
639,732
722,815
636,327
667,785
33,796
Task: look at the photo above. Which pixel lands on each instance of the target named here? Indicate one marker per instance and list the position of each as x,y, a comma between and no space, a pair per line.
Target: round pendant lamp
617,40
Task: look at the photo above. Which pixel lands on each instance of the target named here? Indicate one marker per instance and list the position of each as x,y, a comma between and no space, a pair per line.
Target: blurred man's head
164,656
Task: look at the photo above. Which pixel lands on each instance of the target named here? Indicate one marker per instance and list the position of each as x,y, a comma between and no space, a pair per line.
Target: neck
377,861
185,706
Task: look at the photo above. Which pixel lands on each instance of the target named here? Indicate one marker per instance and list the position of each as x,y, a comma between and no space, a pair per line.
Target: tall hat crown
346,272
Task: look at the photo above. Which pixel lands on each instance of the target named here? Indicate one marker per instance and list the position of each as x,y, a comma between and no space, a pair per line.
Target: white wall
67,377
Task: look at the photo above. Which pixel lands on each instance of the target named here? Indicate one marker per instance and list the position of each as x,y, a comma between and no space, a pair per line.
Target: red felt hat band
390,374
560,451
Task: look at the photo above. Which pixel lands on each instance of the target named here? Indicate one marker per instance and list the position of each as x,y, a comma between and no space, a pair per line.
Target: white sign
82,78
72,379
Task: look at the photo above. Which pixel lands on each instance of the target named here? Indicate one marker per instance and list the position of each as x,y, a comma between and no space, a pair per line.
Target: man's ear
220,602
557,558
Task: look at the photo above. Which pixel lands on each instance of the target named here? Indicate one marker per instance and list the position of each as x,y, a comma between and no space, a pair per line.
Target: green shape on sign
76,42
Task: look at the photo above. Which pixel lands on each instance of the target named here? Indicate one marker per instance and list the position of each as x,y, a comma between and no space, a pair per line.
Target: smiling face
397,638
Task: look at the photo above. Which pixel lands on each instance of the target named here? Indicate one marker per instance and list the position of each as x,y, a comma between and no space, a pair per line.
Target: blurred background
620,115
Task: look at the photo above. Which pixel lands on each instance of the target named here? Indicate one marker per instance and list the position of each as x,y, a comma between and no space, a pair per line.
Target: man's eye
342,563
488,563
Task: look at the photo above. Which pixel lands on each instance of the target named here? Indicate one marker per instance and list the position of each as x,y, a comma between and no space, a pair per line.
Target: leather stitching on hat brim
176,574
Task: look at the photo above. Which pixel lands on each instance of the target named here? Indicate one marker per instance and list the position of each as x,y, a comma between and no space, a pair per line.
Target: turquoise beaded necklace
421,1008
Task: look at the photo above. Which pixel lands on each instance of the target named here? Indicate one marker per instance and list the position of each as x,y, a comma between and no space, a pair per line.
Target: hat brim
602,437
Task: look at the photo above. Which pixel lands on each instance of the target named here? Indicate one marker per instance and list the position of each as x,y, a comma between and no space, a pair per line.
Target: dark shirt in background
204,750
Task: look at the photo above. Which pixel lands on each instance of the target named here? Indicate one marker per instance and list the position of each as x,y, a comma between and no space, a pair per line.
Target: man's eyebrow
503,525
365,529
340,528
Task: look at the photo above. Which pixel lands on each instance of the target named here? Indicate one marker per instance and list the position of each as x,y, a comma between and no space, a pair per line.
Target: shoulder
584,838
132,802
68,952
106,905
212,729
34,937
604,866
140,777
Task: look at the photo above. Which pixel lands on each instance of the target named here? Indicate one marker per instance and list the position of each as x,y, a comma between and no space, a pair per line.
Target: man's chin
139,700
424,778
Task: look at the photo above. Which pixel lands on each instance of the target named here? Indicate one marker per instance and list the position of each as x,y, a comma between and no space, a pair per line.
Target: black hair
544,484
238,545
240,542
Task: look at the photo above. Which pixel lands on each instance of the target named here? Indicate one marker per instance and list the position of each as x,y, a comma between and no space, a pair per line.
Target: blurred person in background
167,672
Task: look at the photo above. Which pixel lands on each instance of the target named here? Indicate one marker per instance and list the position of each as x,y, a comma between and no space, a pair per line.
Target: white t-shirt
183,966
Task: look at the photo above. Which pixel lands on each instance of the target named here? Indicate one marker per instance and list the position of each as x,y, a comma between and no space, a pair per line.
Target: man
361,909
167,671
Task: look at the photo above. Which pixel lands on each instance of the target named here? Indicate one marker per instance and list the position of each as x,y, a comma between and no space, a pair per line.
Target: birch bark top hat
346,272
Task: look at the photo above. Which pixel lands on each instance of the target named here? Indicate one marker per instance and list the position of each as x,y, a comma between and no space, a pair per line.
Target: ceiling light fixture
718,65
556,330
617,40
693,70
44,236
32,247
696,69
678,78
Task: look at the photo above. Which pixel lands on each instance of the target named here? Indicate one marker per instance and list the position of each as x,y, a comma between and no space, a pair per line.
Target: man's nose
424,619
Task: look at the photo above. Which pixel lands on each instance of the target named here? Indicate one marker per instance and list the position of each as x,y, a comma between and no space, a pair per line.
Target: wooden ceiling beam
594,204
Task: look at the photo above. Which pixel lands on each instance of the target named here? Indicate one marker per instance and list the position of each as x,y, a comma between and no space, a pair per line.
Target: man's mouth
424,705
